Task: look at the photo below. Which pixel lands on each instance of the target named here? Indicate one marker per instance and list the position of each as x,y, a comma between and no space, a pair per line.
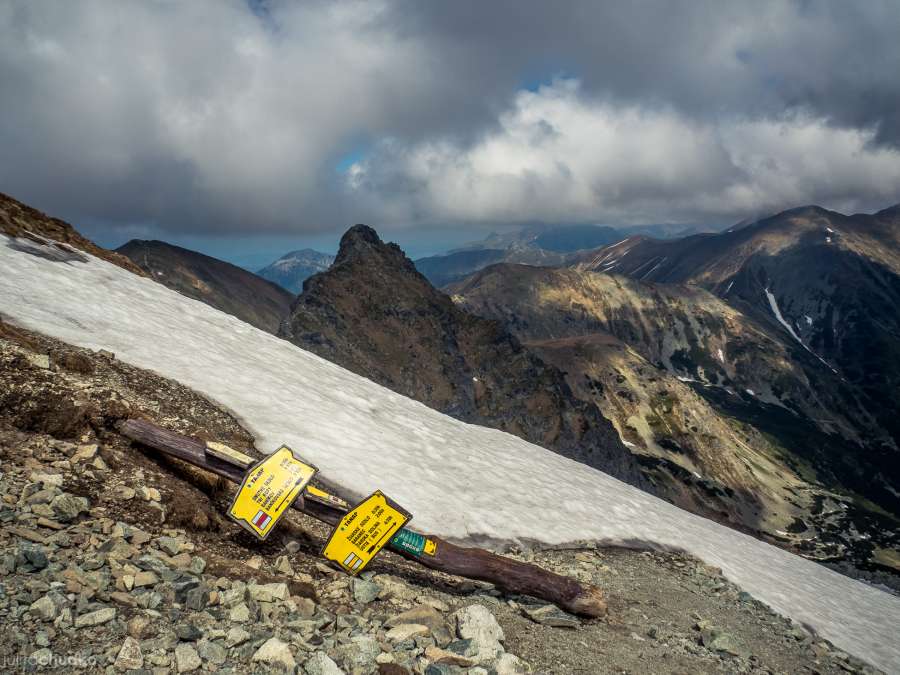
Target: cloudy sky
241,126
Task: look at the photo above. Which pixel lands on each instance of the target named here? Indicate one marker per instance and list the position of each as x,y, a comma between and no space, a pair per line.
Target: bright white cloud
557,155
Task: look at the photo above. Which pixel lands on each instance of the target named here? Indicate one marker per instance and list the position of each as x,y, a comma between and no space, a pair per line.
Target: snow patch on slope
773,303
341,421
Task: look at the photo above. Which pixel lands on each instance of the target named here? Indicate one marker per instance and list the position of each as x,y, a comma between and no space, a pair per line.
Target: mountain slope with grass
690,380
827,283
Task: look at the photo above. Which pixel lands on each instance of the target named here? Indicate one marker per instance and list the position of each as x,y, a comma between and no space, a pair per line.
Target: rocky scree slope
375,315
116,561
215,282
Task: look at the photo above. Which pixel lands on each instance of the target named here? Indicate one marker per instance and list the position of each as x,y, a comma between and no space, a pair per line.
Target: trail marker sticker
414,543
364,531
269,488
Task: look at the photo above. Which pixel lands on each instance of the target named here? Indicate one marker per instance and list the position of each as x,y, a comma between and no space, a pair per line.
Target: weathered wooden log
509,575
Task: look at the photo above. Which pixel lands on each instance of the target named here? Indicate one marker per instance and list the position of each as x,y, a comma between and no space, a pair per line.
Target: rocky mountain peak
373,313
361,243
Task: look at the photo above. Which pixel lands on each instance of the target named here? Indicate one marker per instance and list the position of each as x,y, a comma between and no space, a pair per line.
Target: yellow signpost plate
268,489
319,495
364,531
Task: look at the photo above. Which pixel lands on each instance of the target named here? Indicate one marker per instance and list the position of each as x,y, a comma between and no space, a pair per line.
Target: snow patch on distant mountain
364,436
292,269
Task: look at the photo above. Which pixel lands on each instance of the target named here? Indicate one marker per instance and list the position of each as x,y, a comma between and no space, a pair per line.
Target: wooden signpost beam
509,575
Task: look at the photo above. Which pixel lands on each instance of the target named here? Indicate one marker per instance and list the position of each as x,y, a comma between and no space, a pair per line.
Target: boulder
274,652
130,655
186,658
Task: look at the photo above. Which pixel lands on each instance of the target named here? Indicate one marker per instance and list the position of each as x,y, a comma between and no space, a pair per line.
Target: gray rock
171,545
188,632
130,655
196,599
306,608
198,565
138,626
239,613
275,653
153,564
421,614
719,641
551,615
364,591
406,631
463,647
320,664
42,657
508,664
359,654
186,657
44,608
44,496
268,592
95,618
41,361
443,669
212,651
477,624
48,480
68,507
236,636
31,558
438,655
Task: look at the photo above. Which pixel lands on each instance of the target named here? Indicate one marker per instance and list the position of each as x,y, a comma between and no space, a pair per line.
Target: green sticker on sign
413,542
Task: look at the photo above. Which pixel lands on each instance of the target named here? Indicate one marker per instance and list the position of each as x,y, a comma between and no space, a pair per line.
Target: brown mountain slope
215,282
687,331
690,380
827,284
374,314
25,222
707,463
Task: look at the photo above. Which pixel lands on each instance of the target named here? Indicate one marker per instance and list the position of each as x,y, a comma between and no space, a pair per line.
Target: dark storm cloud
226,116
838,60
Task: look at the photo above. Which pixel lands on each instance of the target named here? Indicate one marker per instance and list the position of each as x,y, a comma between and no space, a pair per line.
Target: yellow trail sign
268,489
364,531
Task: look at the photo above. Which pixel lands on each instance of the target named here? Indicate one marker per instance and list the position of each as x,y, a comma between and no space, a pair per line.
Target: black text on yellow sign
268,489
363,531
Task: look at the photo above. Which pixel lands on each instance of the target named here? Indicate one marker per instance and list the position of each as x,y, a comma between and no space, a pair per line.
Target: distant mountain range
784,330
215,282
292,269
540,245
